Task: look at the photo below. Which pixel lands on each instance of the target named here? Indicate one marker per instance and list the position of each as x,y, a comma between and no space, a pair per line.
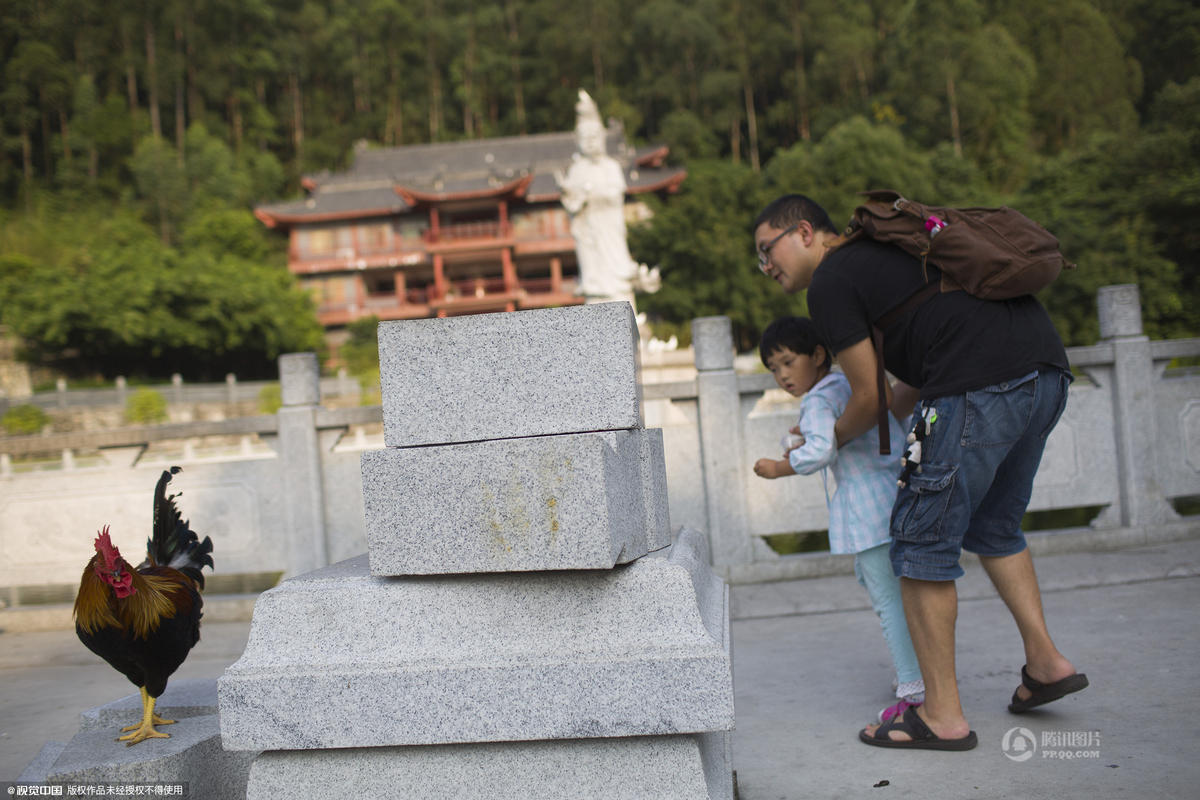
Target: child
866,483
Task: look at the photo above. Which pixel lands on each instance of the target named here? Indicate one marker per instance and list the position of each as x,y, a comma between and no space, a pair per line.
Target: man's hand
770,468
793,440
904,399
795,431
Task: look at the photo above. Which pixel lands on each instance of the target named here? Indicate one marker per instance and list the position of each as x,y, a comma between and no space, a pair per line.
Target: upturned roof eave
413,196
670,184
273,219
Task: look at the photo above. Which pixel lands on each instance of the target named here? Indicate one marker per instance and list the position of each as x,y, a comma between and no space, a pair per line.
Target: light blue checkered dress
866,481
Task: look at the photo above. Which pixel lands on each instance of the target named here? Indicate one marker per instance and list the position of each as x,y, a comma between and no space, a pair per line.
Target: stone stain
508,520
552,503
493,522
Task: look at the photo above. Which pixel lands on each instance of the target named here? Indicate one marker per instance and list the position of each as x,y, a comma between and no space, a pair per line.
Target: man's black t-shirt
951,343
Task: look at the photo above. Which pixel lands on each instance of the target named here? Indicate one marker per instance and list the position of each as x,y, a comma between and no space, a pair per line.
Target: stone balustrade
287,495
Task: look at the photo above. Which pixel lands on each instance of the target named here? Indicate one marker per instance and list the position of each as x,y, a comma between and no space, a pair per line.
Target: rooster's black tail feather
173,542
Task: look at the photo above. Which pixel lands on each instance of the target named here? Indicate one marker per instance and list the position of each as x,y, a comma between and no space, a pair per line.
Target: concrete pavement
805,684
810,668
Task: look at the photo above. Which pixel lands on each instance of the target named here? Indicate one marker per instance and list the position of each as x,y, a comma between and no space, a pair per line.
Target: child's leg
873,568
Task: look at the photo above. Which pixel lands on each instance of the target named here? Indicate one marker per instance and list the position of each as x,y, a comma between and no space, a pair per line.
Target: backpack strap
886,321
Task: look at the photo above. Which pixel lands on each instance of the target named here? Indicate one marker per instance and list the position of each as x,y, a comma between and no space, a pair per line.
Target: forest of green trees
138,135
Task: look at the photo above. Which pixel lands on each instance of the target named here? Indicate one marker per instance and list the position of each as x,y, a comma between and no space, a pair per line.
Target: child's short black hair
798,334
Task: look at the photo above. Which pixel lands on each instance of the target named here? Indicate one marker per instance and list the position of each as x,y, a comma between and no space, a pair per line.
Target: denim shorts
977,468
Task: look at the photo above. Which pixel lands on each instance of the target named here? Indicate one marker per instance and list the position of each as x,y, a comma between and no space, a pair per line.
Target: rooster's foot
145,730
143,733
155,720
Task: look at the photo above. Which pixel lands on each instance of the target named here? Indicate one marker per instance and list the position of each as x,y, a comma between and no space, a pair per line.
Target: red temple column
401,287
510,271
556,274
439,277
360,294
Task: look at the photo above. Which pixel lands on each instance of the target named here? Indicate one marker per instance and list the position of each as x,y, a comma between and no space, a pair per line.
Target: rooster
144,621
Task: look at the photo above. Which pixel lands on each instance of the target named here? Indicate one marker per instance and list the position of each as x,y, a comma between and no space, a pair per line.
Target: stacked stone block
523,625
192,758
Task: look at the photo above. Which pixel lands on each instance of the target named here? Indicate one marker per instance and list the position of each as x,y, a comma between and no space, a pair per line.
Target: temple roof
386,180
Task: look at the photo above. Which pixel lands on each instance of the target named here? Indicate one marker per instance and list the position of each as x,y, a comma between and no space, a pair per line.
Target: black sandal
1042,693
922,737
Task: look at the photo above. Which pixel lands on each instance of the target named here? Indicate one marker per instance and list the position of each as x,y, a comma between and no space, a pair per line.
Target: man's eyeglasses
764,252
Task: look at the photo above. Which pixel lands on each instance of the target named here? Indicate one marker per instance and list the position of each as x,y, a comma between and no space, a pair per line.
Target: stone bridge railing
282,492
178,392
1128,443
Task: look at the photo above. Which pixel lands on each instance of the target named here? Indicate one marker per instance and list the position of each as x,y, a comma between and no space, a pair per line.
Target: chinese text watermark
1022,744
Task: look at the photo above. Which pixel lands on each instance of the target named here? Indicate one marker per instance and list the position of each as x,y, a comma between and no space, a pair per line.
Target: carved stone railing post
300,462
720,421
1141,499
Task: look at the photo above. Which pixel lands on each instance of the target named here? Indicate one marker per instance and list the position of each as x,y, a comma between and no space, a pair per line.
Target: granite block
341,658
655,501
499,376
192,756
38,769
573,501
660,767
184,697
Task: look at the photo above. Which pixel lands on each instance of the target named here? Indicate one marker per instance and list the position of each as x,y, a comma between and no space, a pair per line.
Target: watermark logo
1019,744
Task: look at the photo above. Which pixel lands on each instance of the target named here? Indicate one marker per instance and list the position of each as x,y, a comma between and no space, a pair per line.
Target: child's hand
769,468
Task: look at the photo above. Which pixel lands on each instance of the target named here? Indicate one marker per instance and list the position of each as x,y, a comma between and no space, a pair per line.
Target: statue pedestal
491,644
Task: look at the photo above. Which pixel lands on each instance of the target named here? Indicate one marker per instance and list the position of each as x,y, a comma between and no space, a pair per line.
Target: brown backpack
992,253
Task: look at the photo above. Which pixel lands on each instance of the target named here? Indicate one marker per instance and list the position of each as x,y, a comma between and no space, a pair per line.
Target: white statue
593,193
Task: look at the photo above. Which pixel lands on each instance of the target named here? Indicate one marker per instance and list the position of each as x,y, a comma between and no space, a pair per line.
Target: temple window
375,238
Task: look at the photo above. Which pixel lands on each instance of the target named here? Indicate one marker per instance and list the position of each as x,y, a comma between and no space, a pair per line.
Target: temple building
446,229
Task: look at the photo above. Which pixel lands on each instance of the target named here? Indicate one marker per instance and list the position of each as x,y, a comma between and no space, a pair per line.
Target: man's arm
862,410
904,399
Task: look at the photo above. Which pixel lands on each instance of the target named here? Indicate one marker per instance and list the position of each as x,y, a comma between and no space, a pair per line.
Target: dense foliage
24,419
145,407
138,135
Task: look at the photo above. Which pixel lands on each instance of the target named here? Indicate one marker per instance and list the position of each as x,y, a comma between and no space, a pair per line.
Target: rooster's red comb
104,546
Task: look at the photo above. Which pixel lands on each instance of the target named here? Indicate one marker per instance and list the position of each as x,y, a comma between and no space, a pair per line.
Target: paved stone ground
806,684
811,668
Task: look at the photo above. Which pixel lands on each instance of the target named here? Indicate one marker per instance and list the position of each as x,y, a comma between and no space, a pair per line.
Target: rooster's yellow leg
155,719
146,729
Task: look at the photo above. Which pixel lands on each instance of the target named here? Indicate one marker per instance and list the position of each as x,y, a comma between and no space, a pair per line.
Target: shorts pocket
1064,384
922,506
999,415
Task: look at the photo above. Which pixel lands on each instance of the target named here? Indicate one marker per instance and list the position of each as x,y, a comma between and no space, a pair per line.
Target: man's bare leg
931,608
1016,581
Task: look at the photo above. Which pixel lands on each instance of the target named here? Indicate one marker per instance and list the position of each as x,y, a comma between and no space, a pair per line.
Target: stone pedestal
192,758
634,768
498,657
523,625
